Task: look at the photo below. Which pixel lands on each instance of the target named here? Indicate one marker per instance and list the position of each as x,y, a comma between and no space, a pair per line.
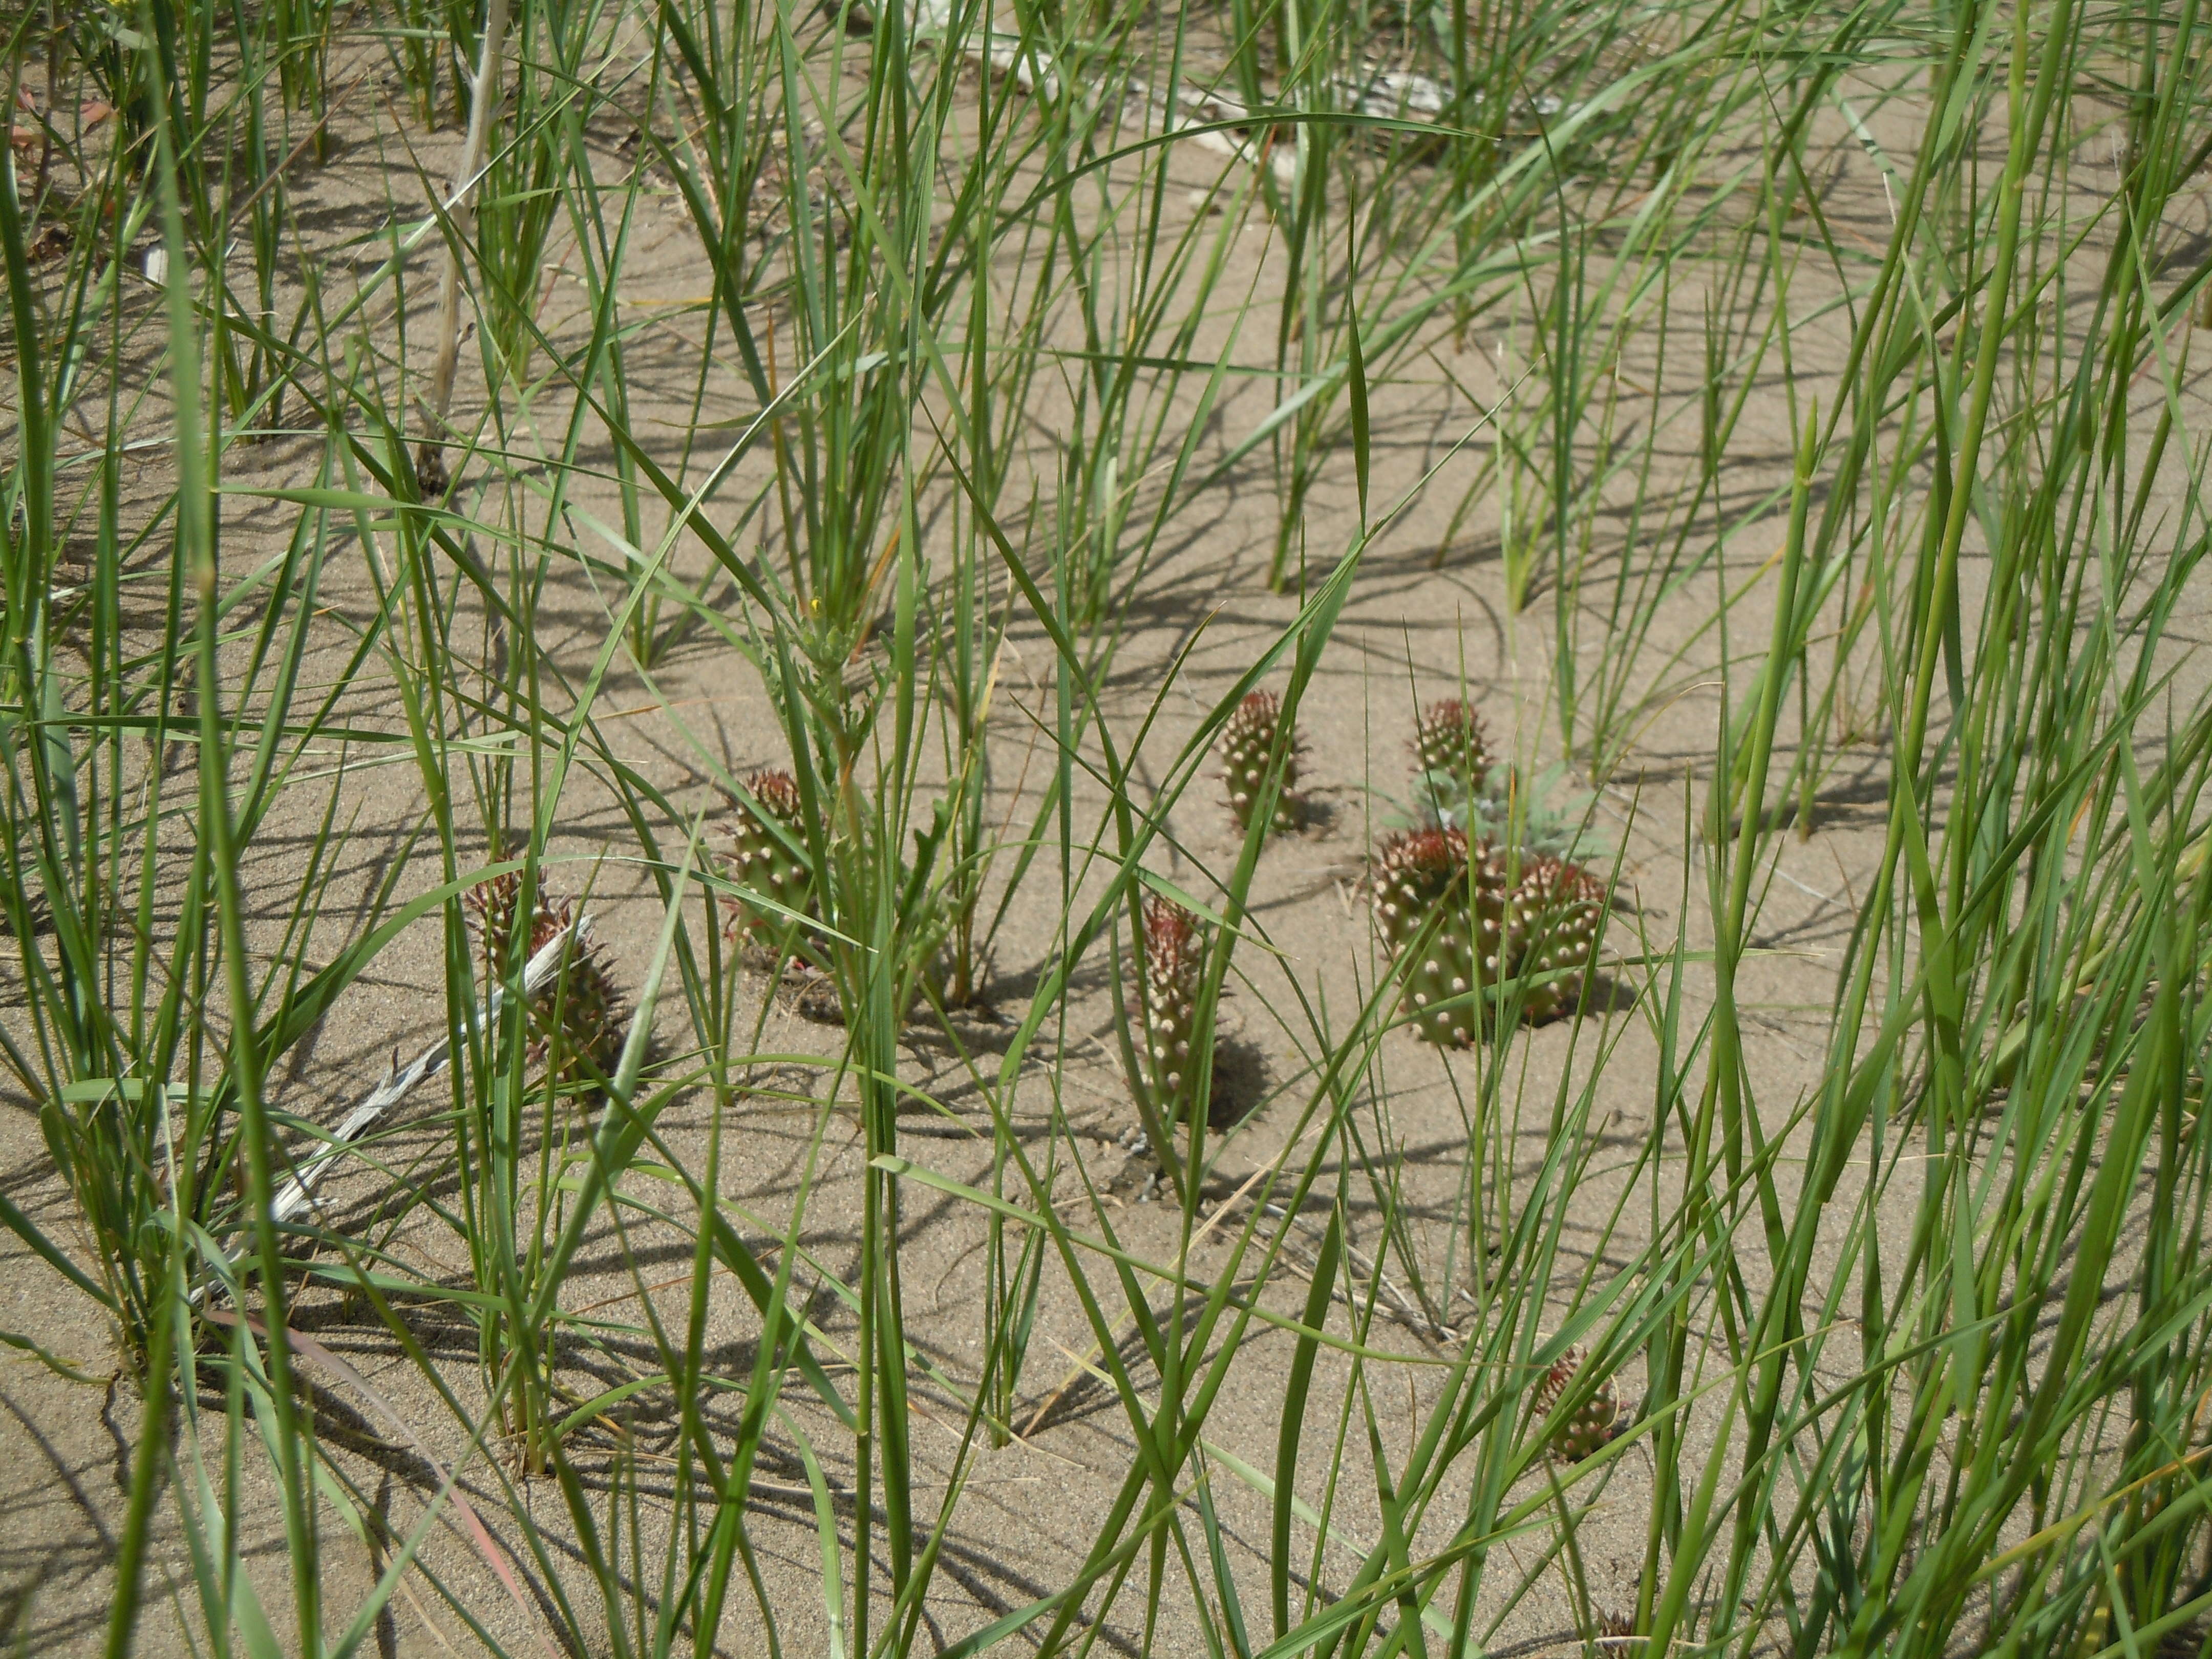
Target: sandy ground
1416,626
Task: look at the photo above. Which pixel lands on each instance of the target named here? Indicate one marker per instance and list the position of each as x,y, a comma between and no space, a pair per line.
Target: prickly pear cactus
1588,1428
1174,958
577,1016
1247,742
1548,921
1450,744
768,864
586,1019
504,947
1553,920
1438,872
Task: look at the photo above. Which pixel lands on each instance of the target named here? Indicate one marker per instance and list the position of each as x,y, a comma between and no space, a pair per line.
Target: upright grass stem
460,215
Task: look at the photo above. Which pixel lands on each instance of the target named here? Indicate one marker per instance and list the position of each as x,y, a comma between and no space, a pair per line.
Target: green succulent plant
578,1016
1247,747
1590,1425
767,856
1173,958
1436,875
1458,918
1552,923
1461,783
1450,741
1536,815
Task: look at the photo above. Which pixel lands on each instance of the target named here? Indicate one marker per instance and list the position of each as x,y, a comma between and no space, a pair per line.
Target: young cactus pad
1587,1428
579,1011
1557,912
1248,742
1448,741
1438,874
1174,958
769,864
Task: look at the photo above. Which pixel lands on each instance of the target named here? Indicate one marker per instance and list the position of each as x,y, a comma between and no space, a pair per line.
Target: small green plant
1459,783
1588,1428
1248,750
1501,803
513,1151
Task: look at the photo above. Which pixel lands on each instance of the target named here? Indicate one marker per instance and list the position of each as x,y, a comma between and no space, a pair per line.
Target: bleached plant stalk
541,969
484,97
295,1193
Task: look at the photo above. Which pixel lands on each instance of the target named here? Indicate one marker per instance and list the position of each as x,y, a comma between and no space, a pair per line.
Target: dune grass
1913,1357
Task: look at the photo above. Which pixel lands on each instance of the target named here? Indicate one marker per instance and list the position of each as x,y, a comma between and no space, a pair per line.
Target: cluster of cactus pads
769,863
1248,744
1485,929
1591,1425
1174,958
577,1017
1465,913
